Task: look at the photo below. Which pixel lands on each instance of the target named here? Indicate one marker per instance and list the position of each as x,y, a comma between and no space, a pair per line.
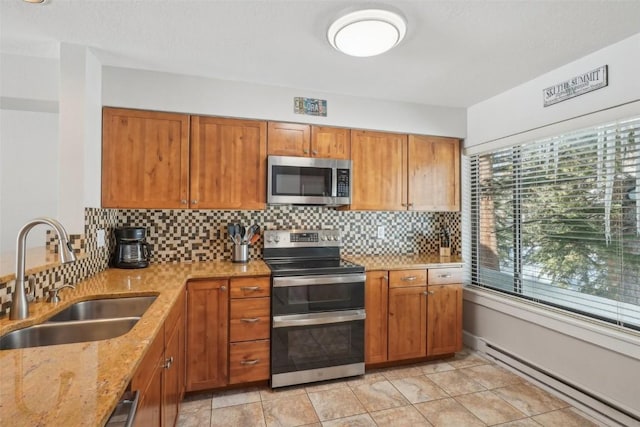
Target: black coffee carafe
132,250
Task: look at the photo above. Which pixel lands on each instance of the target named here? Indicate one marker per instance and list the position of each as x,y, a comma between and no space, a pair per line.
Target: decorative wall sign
310,106
587,82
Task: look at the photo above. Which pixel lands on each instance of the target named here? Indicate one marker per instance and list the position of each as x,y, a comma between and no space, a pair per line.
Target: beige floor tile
433,367
247,415
362,420
419,389
267,393
525,422
489,407
466,359
448,413
293,410
378,396
491,376
455,382
404,416
194,416
402,372
368,378
225,398
568,417
326,385
196,403
529,399
336,403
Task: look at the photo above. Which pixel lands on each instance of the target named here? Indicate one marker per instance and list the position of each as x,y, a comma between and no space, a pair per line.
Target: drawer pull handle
252,320
250,288
249,362
409,278
444,276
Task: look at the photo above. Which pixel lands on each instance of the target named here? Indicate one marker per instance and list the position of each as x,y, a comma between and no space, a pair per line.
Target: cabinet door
207,334
375,325
171,386
434,173
379,170
289,139
444,319
330,142
148,413
228,163
407,323
145,159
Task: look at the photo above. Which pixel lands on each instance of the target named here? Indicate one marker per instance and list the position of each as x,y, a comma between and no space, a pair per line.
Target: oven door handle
318,318
283,282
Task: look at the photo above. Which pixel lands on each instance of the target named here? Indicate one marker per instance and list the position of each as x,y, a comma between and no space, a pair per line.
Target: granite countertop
80,384
401,262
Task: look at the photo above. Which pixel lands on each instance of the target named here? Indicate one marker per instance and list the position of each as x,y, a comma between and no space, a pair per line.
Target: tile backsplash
179,235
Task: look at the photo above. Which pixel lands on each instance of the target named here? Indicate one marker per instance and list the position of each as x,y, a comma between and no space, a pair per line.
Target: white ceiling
455,53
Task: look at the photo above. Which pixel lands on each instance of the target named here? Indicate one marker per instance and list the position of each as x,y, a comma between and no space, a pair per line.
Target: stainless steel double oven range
317,308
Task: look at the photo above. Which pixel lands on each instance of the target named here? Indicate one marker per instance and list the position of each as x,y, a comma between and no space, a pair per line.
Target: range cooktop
305,267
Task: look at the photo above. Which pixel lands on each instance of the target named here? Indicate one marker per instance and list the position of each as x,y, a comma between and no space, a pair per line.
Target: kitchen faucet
19,303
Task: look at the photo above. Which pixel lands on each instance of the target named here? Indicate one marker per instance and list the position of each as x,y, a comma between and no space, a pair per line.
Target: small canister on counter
240,252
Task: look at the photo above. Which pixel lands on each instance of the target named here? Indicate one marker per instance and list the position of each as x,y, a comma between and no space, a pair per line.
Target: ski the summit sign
578,85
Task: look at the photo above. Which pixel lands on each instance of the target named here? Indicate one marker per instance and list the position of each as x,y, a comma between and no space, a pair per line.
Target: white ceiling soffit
455,53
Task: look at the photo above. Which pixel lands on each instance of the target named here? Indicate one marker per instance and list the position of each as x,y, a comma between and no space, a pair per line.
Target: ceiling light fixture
367,32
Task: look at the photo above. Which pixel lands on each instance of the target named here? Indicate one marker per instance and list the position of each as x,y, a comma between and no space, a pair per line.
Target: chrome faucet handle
53,293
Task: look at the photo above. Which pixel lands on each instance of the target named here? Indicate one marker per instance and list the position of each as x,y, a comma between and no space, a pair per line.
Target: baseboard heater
592,405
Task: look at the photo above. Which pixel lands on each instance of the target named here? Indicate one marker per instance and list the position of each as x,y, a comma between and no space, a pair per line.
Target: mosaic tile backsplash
201,235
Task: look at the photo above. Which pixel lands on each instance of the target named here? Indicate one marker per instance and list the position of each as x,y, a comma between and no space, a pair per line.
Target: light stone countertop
80,384
402,262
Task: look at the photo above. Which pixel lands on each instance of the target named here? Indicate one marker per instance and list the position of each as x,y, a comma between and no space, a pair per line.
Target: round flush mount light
367,32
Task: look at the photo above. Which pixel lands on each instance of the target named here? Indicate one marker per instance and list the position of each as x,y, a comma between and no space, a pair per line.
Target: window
557,221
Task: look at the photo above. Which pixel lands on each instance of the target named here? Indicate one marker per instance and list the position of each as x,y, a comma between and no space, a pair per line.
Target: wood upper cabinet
433,173
207,334
375,325
379,170
301,140
228,163
145,159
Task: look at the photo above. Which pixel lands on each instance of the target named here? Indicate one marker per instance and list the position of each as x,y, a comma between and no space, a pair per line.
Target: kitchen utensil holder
445,252
240,252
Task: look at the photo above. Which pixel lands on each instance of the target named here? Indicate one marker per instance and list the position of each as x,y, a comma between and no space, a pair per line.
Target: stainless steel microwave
308,181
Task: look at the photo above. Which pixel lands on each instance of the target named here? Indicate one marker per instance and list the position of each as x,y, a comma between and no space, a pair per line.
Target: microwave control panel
343,183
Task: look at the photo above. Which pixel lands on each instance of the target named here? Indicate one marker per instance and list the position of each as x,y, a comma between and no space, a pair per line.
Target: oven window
317,298
299,348
301,181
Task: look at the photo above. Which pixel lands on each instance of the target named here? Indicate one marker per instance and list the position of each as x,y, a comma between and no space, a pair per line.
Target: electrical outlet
380,232
100,238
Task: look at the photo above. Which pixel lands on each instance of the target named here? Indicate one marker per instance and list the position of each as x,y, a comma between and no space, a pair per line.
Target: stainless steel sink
67,332
108,308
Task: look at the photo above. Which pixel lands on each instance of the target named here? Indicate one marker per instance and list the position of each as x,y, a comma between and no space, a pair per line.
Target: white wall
188,94
599,359
29,145
521,109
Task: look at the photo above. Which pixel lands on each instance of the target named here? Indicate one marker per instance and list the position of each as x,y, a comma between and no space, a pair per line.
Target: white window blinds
558,221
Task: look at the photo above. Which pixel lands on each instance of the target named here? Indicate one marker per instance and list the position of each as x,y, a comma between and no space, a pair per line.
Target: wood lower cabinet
145,159
160,377
412,314
407,323
207,334
228,169
377,309
250,329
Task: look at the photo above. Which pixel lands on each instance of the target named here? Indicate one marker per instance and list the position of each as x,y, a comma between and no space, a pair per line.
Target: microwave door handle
311,319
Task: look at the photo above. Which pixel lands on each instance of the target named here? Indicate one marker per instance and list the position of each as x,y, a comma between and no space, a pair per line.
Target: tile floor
467,390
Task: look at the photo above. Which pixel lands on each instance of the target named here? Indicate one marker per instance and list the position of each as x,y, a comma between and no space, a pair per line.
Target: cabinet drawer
248,361
250,287
249,319
404,278
445,276
175,316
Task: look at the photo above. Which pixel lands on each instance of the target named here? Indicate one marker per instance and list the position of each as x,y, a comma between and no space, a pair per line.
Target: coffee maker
132,250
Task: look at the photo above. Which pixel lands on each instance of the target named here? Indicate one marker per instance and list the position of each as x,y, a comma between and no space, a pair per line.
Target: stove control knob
332,237
277,239
337,237
324,237
269,239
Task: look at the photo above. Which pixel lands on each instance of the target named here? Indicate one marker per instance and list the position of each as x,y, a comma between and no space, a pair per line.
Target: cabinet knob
183,201
194,202
404,204
223,288
315,152
305,151
385,278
